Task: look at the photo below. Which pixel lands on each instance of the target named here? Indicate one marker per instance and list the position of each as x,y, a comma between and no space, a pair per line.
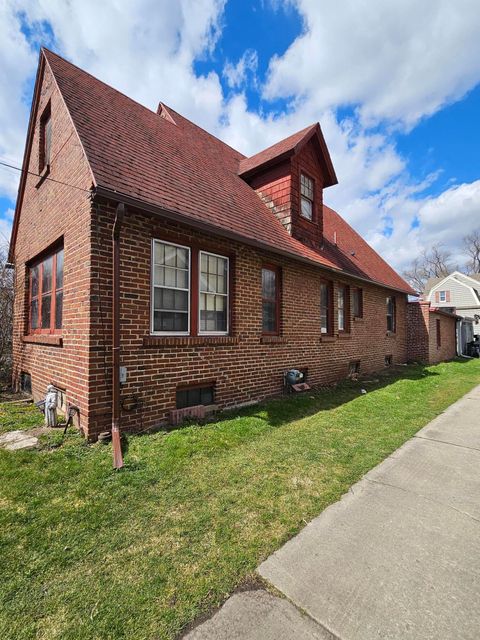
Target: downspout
116,445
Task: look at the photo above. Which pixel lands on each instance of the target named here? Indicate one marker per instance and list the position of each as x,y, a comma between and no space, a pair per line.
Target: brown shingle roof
180,168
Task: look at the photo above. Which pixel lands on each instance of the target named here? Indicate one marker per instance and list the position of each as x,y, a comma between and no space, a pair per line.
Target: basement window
306,197
388,360
195,395
354,368
26,383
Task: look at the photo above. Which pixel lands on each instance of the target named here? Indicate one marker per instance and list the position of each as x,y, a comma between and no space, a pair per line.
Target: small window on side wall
271,300
342,308
357,302
306,197
326,308
46,294
439,333
45,139
391,314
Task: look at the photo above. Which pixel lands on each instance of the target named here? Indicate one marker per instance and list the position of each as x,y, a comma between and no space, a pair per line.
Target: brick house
229,270
431,333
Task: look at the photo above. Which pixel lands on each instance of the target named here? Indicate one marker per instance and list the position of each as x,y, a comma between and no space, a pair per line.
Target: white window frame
226,295
442,296
153,285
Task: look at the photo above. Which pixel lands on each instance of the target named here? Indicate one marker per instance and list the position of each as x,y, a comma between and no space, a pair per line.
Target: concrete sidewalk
398,557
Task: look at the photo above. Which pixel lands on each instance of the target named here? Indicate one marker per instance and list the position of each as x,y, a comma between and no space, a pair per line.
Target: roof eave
116,196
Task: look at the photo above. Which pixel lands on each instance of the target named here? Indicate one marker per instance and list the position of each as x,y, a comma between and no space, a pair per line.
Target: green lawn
86,552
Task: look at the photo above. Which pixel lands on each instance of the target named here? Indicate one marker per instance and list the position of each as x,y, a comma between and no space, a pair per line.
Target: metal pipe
116,444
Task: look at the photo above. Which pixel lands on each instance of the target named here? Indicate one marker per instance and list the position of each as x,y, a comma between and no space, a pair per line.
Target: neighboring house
231,269
456,291
431,333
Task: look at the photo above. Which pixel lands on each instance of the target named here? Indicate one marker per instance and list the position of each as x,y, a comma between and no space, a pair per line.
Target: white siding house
457,291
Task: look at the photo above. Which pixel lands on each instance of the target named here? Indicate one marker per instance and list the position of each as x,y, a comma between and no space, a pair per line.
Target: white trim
227,295
152,287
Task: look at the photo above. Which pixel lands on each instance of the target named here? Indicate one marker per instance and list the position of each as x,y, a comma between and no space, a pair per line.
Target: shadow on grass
294,407
279,410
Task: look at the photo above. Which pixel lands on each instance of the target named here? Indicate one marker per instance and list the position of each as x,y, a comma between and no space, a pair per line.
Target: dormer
290,177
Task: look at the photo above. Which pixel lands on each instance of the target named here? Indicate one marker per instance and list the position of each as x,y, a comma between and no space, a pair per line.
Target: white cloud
398,61
237,74
18,63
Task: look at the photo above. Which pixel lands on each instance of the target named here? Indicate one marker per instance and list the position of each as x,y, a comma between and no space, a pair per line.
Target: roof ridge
87,73
197,126
124,95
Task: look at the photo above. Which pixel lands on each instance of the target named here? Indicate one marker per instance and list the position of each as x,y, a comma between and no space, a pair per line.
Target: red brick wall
245,366
51,211
418,332
422,334
448,348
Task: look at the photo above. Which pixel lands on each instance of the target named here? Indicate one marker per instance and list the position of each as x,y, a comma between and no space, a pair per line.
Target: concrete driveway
397,558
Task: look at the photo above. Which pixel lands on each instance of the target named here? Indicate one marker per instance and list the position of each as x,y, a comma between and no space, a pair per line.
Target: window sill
273,340
188,341
52,340
344,334
43,174
359,319
327,338
391,334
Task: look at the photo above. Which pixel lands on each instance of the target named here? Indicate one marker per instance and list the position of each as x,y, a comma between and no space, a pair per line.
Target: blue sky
394,85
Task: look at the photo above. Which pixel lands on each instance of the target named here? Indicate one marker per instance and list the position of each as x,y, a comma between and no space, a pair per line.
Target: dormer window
45,139
306,194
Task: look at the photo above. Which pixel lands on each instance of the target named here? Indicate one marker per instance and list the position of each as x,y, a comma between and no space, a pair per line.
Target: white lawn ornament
51,406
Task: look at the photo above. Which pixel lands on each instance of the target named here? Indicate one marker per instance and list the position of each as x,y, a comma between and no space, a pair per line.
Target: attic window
306,194
443,296
45,139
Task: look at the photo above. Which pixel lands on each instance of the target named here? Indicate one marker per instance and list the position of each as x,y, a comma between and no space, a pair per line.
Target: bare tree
433,263
471,245
6,315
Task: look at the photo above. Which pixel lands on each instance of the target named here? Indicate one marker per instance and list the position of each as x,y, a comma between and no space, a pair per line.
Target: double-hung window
391,313
213,293
171,288
306,197
270,300
342,307
325,308
357,302
46,294
190,291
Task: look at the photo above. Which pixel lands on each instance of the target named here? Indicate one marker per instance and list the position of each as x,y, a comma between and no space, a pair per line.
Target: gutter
116,445
116,196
